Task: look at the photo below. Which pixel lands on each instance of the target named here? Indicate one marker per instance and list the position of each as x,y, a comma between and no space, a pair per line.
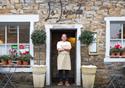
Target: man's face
64,37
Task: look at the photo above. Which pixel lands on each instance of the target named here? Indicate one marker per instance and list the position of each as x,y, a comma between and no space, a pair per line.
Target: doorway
55,36
48,28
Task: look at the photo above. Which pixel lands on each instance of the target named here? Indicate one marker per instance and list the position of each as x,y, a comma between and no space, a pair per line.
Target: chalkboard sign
93,46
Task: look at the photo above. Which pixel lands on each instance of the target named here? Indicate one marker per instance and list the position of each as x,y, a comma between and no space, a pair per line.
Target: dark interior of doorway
55,37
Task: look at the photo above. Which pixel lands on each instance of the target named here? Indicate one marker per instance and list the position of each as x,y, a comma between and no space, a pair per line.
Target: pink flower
24,53
118,46
27,52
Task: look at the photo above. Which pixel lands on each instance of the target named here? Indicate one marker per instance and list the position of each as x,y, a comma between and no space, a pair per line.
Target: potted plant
88,71
19,60
4,59
10,60
26,58
38,38
116,50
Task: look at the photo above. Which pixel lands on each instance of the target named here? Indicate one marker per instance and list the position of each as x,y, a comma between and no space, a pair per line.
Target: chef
63,60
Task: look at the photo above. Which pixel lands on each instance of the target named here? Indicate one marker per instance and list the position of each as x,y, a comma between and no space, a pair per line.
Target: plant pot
88,76
4,62
115,54
9,62
112,54
19,62
39,76
25,63
123,54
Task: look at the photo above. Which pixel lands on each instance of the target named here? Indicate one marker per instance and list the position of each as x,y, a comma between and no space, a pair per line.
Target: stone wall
89,13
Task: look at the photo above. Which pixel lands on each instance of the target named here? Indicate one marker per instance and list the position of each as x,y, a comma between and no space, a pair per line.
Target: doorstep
31,86
55,86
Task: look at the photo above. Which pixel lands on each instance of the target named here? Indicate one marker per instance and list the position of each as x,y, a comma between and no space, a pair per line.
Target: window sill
14,65
16,69
108,59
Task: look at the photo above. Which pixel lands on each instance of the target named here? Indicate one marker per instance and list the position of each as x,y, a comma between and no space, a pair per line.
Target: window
14,36
117,34
115,39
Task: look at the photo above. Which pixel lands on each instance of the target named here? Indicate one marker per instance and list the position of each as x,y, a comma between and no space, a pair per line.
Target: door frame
48,28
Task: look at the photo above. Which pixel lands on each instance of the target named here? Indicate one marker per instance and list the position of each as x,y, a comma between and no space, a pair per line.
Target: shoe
60,83
67,83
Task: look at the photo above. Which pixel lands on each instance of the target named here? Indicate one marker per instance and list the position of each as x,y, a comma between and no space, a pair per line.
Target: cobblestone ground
18,86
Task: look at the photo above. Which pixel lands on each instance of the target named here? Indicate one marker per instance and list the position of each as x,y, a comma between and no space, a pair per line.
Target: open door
55,37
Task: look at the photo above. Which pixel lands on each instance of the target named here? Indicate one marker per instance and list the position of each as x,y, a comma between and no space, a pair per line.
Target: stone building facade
89,13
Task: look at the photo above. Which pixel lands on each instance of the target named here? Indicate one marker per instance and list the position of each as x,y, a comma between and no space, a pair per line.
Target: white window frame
23,18
107,45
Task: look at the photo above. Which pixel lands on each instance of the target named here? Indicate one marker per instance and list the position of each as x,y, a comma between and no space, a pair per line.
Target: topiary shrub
38,37
86,37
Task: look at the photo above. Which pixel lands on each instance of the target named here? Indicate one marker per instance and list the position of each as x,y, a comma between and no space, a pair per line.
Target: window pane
115,30
24,33
2,34
123,44
2,50
11,34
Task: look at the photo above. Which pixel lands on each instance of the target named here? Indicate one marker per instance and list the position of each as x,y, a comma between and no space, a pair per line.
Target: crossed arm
63,49
60,49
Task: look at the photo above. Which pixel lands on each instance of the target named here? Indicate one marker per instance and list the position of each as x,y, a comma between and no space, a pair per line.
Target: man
63,60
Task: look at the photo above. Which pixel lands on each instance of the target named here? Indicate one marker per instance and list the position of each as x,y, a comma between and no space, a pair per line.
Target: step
55,86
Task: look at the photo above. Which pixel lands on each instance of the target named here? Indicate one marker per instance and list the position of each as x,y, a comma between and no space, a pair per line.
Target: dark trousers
63,75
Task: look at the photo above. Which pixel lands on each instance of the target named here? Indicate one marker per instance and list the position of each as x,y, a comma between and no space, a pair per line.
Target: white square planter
88,76
39,76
